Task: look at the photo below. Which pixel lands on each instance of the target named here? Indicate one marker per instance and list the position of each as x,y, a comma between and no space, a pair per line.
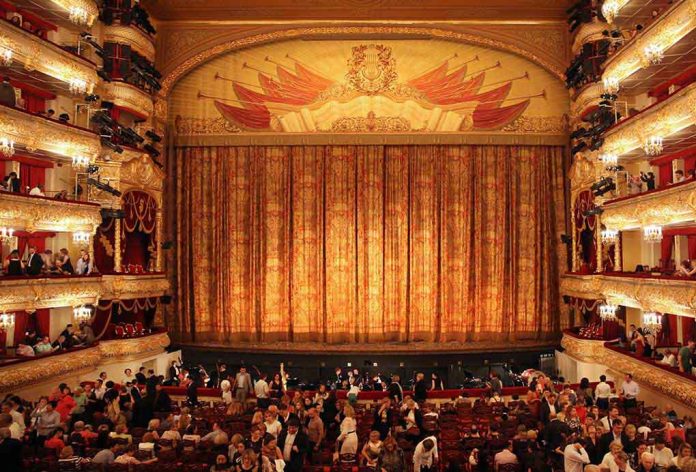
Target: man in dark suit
548,407
36,262
420,389
293,443
616,434
285,415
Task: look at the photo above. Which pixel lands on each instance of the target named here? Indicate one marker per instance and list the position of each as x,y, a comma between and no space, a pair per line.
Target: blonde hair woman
348,439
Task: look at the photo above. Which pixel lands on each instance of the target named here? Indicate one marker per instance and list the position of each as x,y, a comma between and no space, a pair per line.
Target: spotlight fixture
154,137
103,186
594,211
115,213
604,185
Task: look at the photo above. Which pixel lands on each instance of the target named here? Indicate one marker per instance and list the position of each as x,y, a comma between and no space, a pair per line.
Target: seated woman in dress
13,264
84,264
63,263
686,269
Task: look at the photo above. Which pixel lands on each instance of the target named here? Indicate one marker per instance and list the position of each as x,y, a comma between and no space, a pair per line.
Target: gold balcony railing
28,213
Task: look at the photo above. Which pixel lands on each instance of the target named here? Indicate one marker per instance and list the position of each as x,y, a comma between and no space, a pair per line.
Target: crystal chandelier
609,159
653,146
611,84
607,312
80,162
7,147
80,237
610,8
609,236
653,54
78,15
652,321
7,321
6,235
77,86
82,313
652,234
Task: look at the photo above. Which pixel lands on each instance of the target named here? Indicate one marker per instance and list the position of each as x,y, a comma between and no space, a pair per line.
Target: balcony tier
28,293
54,366
666,118
661,295
130,97
37,133
136,39
664,33
663,207
29,213
671,383
36,55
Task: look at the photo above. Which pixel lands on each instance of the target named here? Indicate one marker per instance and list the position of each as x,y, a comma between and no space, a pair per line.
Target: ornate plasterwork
668,383
125,287
184,65
47,58
35,132
648,294
585,98
587,33
584,171
666,31
38,214
134,347
129,96
41,370
35,294
88,6
672,115
142,174
666,207
133,37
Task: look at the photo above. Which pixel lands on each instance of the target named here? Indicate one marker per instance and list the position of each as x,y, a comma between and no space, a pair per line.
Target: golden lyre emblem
371,69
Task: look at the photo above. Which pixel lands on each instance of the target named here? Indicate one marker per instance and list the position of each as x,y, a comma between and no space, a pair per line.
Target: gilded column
598,239
117,245
618,262
158,241
574,251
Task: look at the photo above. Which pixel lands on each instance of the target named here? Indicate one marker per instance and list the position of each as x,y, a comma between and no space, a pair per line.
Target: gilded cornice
662,208
128,96
39,370
587,33
37,54
133,347
666,31
125,287
648,294
37,133
585,170
141,173
136,39
586,97
667,383
88,6
38,214
182,49
35,294
663,119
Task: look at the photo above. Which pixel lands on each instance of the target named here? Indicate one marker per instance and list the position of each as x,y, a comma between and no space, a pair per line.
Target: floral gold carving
35,294
34,214
585,98
371,124
124,287
537,124
132,347
193,126
133,37
372,69
129,96
665,382
141,173
648,294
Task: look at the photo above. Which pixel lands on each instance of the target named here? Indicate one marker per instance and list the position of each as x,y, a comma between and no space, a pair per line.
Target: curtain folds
343,244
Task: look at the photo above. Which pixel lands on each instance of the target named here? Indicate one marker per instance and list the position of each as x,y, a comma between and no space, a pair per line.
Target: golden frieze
142,174
129,96
133,37
666,31
587,33
132,347
588,96
663,119
36,132
666,382
665,207
47,58
35,294
124,287
41,214
648,294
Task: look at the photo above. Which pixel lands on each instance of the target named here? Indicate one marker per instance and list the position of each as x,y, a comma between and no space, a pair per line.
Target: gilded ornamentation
538,124
89,6
666,382
588,96
142,173
372,69
33,214
193,126
110,173
371,124
185,66
125,287
134,347
666,207
584,171
138,40
36,132
587,33
36,54
129,96
663,119
666,31
647,294
161,109
34,294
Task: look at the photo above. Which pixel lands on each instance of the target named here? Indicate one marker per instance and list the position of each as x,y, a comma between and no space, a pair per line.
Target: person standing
293,443
262,392
425,455
242,385
602,393
575,457
35,263
8,96
420,392
629,392
685,354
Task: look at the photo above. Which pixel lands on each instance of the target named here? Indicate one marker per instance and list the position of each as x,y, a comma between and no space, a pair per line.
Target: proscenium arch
399,32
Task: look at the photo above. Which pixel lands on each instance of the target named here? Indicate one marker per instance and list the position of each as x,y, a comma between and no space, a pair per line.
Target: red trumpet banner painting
390,86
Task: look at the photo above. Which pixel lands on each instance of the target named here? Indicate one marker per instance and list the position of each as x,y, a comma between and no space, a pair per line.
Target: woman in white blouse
348,439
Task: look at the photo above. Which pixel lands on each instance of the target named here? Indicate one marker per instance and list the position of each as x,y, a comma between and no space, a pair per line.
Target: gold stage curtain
343,244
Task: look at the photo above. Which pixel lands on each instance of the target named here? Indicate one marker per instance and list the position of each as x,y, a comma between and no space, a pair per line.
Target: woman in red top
55,441
66,404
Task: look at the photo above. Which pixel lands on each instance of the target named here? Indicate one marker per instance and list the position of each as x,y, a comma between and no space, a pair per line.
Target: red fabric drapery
31,176
688,331
104,246
667,244
25,240
21,318
583,203
141,212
